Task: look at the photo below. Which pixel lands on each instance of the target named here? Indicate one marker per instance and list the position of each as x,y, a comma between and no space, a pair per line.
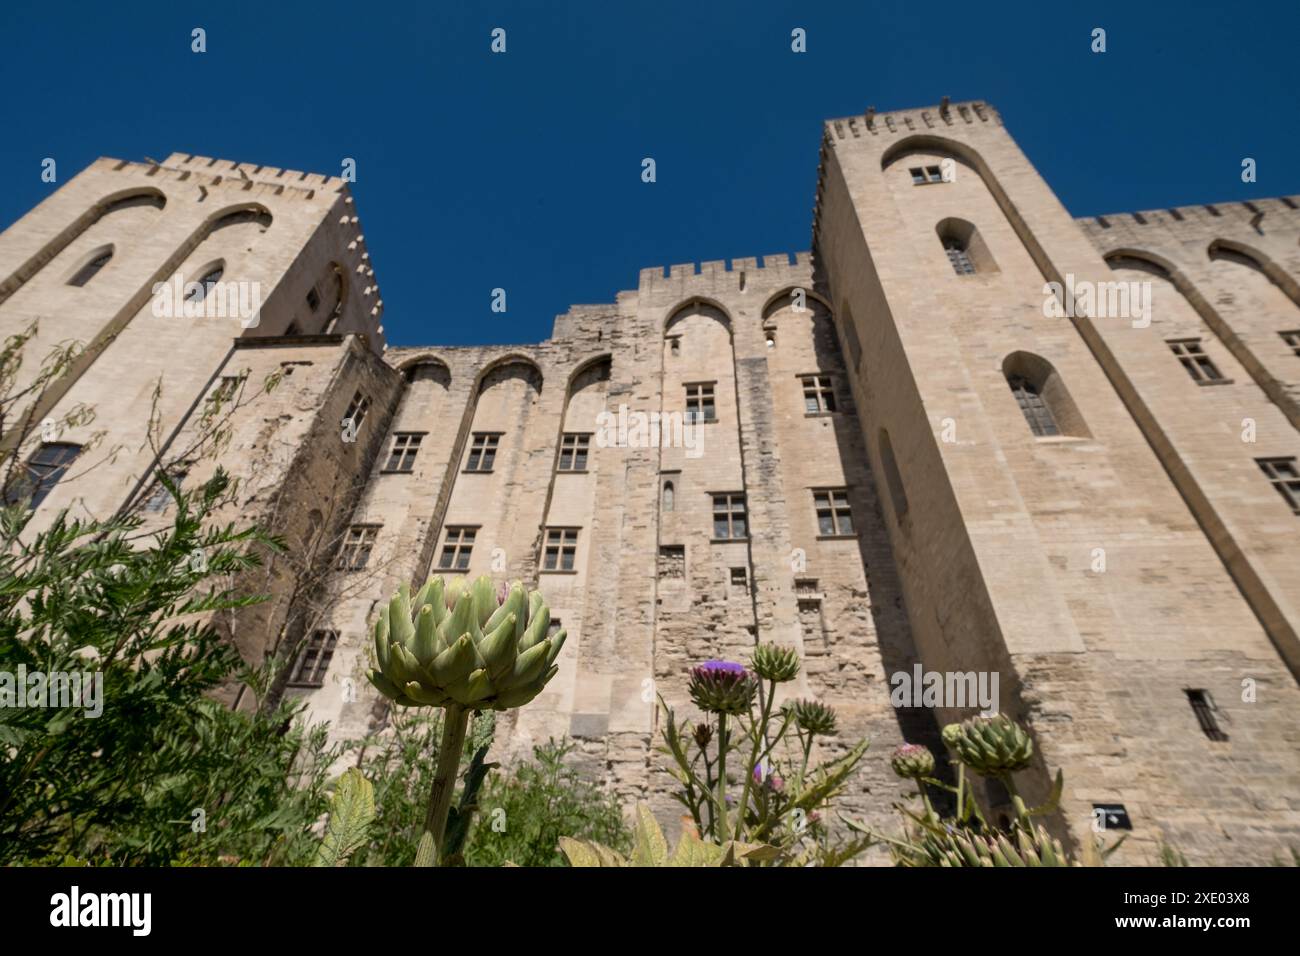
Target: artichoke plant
912,761
722,687
1025,845
775,663
462,644
463,647
991,746
813,717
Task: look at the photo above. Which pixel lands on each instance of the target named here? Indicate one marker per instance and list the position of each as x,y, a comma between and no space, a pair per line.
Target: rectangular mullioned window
483,451
573,451
357,545
730,520
406,445
561,549
924,175
1199,366
314,660
1285,477
834,519
699,403
456,548
818,394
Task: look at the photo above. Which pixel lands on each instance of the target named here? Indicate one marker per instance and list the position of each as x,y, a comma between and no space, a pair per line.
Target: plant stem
760,737
454,722
722,778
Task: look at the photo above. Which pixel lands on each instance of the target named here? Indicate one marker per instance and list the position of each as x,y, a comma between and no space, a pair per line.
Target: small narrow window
769,335
1111,816
833,515
699,403
357,545
88,271
483,451
668,496
730,521
313,299
959,257
356,413
923,175
1032,406
573,451
314,660
406,445
818,394
740,578
561,549
42,472
456,548
1292,339
1203,707
675,344
1285,477
204,286
1194,359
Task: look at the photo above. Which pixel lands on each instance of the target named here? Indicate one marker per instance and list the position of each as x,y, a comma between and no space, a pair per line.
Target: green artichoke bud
814,717
990,746
959,847
775,663
722,687
912,761
464,643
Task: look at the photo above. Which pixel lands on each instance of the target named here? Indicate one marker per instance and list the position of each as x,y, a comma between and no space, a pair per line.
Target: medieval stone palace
966,435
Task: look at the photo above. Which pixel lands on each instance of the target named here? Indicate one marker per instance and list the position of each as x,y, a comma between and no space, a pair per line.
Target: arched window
199,291
1032,406
1043,399
964,247
668,496
87,272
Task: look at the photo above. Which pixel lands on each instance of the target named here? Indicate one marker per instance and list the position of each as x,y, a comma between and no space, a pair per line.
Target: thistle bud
722,687
775,663
912,761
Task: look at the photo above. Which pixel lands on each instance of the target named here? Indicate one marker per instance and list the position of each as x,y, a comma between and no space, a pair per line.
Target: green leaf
351,812
651,848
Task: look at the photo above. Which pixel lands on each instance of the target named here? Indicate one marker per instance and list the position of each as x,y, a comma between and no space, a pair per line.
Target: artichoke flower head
461,643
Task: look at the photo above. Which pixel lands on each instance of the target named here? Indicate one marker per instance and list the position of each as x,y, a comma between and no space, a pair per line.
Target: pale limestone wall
1098,662
992,567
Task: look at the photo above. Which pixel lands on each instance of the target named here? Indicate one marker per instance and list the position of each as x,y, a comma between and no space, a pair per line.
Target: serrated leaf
650,849
351,812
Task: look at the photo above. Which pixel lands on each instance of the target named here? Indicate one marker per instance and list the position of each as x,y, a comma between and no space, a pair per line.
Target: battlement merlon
945,115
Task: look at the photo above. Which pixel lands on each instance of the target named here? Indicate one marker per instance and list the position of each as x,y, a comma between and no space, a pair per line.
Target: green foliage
524,813
782,792
351,812
165,773
650,848
401,763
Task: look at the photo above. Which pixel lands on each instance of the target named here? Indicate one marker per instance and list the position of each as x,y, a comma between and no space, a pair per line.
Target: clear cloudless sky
522,170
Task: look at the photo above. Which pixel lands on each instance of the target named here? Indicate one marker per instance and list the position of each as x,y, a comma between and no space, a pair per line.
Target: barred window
959,256
729,518
1203,707
1032,406
357,545
561,549
818,394
1285,477
833,515
1194,359
699,403
406,445
483,451
42,472
573,452
456,548
314,660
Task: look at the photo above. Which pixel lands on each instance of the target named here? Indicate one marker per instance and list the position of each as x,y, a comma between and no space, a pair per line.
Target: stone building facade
967,432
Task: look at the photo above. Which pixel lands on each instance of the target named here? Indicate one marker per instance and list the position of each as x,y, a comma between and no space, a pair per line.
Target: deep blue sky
522,170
